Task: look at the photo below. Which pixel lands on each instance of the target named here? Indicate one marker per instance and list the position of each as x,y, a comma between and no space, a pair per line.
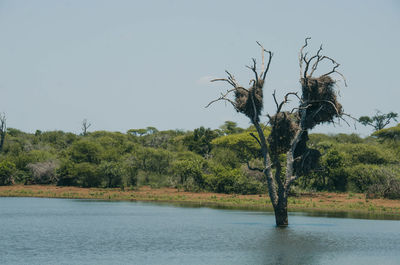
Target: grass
321,201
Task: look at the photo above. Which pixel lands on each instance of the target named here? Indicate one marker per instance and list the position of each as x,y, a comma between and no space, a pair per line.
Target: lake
61,231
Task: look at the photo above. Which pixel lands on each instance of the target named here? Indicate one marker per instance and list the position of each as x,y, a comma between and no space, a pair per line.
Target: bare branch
263,75
254,69
254,168
302,56
276,101
285,100
255,137
262,57
224,97
3,129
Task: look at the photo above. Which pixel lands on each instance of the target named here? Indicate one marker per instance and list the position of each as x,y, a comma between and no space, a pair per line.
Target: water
59,231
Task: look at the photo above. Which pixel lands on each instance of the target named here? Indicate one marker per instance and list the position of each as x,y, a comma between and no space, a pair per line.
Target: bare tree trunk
281,211
2,136
3,129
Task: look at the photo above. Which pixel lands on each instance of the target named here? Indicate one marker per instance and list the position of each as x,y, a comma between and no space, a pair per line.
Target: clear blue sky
133,64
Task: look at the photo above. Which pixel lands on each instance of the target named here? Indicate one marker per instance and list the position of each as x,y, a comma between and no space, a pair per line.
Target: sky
132,64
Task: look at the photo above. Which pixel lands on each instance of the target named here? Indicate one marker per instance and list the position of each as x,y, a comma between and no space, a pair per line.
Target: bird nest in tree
321,100
250,102
284,127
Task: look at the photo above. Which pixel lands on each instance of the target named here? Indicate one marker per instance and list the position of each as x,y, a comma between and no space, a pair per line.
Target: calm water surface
59,231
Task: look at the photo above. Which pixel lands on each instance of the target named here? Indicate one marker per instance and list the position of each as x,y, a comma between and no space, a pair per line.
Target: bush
189,173
226,157
331,175
7,170
367,154
65,174
85,151
111,172
362,177
130,171
243,145
87,175
78,174
387,186
224,180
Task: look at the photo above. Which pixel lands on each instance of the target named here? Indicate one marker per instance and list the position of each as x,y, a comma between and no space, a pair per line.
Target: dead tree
289,129
85,126
3,130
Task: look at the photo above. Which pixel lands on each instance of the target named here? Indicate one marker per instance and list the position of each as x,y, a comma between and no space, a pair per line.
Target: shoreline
334,204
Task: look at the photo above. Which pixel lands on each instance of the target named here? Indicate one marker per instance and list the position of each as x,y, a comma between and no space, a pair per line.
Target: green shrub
331,175
7,171
242,144
223,180
78,174
85,151
367,154
189,173
87,175
361,177
111,172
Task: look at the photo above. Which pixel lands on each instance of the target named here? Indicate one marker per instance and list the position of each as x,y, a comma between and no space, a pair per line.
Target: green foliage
65,174
57,139
363,176
87,174
242,144
85,151
153,160
112,173
230,127
224,180
189,173
387,186
392,134
332,175
130,171
200,141
226,157
205,159
367,154
7,171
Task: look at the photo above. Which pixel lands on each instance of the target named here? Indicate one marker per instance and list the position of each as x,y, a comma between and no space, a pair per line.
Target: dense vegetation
203,159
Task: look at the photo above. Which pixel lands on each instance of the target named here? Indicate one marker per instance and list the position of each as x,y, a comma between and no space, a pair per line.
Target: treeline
223,160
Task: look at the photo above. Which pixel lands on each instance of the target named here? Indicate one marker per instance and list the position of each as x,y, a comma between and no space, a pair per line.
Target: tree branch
254,168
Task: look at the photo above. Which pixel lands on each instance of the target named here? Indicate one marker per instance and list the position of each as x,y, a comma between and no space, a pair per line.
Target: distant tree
289,129
379,120
200,141
140,132
85,127
3,130
230,127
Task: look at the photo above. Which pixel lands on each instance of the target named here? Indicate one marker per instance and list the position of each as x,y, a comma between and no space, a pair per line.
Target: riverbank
321,201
